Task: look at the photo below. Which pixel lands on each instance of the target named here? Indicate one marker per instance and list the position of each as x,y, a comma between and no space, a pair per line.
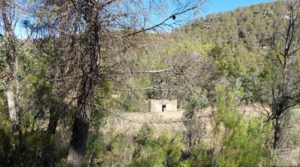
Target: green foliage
198,100
141,149
188,46
238,61
144,134
131,102
244,141
162,151
115,145
239,41
250,26
34,149
200,156
5,137
5,147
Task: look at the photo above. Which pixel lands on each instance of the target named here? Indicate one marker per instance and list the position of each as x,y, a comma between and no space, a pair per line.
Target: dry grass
172,121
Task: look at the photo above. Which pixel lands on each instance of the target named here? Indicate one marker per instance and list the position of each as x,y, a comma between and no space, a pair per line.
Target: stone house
162,105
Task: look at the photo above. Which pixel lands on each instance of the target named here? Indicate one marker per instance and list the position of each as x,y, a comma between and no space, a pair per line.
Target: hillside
229,47
248,26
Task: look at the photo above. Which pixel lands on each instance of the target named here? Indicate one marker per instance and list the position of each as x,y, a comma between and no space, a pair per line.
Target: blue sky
211,6
215,6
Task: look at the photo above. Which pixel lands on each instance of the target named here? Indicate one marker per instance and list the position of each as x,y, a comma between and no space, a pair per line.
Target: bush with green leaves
200,156
162,151
244,138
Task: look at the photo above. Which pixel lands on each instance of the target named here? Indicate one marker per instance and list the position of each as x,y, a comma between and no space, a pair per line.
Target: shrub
244,140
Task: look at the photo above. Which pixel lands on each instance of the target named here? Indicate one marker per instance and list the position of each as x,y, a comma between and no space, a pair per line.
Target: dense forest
83,62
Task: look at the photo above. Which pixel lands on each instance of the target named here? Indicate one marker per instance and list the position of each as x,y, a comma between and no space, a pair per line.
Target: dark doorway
163,108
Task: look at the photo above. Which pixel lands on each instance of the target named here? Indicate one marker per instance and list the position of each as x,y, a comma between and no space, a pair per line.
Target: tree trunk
90,74
282,109
81,124
48,149
54,117
277,133
11,56
78,142
11,105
